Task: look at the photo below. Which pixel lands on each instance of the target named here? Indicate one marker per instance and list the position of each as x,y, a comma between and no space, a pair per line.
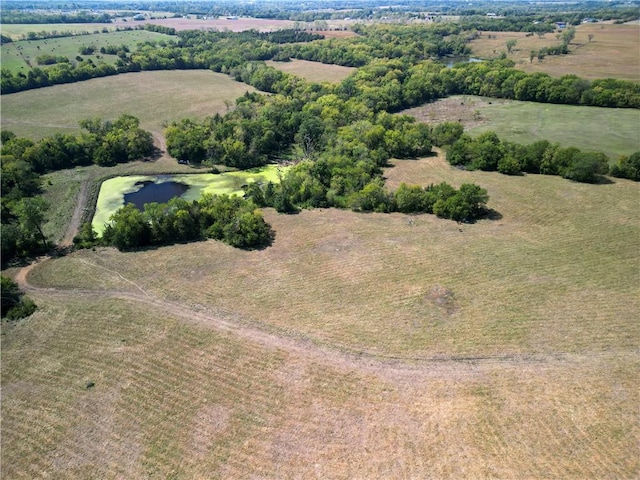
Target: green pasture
21,55
112,191
614,131
156,98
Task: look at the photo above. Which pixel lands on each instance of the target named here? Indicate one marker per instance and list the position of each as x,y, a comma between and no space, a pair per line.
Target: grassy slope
613,51
16,54
314,71
175,396
613,131
609,130
154,97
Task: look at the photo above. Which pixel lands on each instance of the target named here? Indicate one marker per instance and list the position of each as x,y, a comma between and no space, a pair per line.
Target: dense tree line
15,16
232,220
627,167
488,152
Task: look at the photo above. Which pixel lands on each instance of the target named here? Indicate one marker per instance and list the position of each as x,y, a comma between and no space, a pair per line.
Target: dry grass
176,400
612,53
314,71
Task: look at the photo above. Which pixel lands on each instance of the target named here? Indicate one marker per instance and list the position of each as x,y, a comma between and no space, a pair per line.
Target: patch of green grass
613,131
21,55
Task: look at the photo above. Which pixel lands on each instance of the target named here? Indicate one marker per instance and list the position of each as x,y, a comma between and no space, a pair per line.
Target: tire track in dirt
312,349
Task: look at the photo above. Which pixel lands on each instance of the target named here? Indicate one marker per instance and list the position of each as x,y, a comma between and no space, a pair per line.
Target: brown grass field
614,51
357,346
314,71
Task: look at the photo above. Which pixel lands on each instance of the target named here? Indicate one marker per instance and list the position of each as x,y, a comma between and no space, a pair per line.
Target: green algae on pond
113,191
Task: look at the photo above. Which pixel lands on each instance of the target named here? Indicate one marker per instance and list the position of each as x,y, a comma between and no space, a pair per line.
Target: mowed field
314,71
154,97
614,131
357,346
613,52
21,56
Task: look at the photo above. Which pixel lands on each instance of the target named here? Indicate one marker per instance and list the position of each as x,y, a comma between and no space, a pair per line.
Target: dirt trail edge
76,218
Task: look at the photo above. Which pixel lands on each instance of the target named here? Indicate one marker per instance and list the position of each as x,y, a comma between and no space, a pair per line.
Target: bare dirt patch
459,108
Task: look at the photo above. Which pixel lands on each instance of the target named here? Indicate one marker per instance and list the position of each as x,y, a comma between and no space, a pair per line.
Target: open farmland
154,97
359,345
611,53
613,131
20,56
314,71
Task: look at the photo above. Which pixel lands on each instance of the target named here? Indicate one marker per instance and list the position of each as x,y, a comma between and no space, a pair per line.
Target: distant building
561,24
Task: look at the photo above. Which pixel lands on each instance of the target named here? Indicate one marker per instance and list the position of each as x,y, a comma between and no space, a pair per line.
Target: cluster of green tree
5,39
119,50
14,305
499,79
104,143
17,16
48,59
521,23
160,29
289,36
232,220
412,43
342,183
306,116
627,167
488,152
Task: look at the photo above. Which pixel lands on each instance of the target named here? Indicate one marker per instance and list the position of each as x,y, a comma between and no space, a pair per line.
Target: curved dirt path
76,218
312,349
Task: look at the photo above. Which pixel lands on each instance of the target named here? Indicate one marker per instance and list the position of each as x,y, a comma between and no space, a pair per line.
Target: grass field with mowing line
613,131
234,363
314,71
555,273
156,98
15,55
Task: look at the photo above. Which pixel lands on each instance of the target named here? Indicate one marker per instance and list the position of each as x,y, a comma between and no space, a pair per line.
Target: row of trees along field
488,152
23,161
404,50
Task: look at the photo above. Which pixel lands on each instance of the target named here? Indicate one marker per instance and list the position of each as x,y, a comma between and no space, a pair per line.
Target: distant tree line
15,16
22,161
232,220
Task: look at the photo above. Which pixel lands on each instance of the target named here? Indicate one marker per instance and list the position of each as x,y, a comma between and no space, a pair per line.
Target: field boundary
293,342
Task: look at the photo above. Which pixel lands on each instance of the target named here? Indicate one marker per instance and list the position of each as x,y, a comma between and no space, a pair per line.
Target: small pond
142,189
155,192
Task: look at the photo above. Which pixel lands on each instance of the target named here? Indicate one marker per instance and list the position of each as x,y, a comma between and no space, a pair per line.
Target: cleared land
358,346
314,71
613,51
20,56
613,131
154,97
